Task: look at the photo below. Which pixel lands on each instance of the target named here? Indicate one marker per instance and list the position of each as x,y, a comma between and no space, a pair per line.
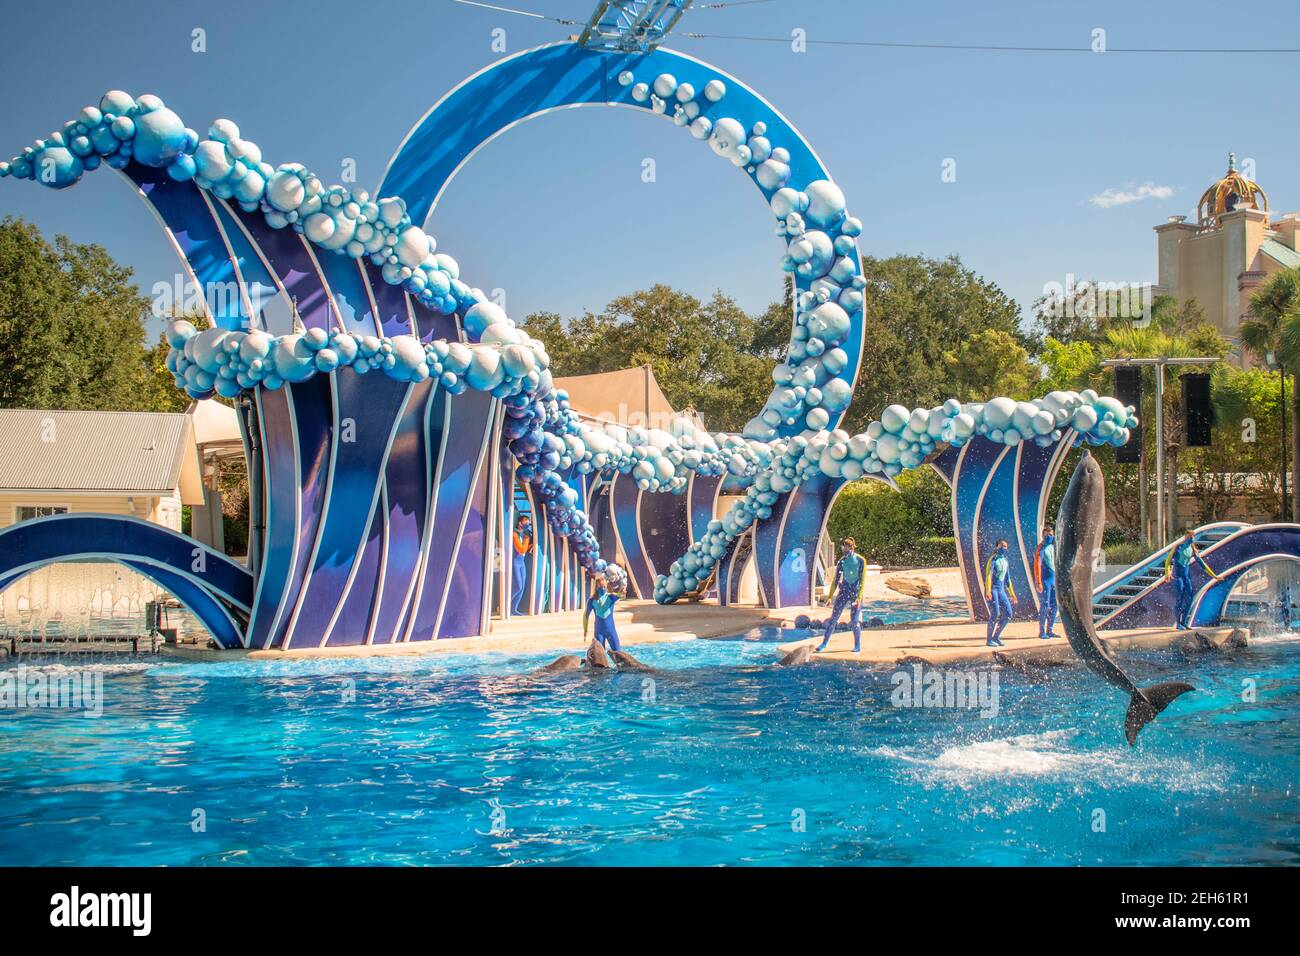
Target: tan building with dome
1233,246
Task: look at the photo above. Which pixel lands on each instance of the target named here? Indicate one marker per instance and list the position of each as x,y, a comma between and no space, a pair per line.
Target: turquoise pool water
721,758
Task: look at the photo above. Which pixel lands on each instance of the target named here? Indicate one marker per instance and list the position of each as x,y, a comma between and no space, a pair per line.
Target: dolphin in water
596,656
1079,526
1033,666
800,655
626,662
569,662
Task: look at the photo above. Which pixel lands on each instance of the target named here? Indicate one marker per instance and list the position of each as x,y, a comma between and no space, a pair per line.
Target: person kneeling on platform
998,592
850,578
1045,582
1178,567
601,604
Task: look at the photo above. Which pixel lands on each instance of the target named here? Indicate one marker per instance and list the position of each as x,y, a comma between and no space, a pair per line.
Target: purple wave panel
369,407
463,614
665,529
313,416
767,536
288,256
785,545
358,603
601,518
973,469
406,482
731,567
461,454
189,220
623,499
998,518
281,491
1230,558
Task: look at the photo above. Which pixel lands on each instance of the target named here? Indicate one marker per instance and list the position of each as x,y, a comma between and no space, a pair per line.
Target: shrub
1126,552
908,527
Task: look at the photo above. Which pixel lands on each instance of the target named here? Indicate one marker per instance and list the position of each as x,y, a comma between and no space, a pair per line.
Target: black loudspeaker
1128,389
1197,417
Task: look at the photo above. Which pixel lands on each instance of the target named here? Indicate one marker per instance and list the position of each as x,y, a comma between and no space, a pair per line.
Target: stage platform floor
638,622
644,622
947,642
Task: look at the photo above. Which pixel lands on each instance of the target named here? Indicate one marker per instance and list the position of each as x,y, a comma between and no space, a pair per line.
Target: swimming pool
721,758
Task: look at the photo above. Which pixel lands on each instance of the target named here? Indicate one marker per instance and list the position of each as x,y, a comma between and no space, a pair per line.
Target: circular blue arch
1234,556
562,76
209,584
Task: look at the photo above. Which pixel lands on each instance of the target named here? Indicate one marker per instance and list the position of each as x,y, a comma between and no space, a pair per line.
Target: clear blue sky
555,211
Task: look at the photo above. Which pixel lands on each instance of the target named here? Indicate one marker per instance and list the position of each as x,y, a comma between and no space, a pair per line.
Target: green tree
704,354
72,332
988,364
1242,463
1083,312
917,311
1274,326
1067,366
906,528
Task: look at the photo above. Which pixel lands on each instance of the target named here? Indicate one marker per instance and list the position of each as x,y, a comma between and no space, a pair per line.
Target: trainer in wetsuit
850,578
601,606
1178,567
998,592
1045,582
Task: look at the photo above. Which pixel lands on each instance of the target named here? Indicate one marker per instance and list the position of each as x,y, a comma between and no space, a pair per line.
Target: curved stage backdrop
397,420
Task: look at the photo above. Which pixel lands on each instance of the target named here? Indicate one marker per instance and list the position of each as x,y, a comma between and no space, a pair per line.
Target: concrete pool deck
638,622
951,641
644,622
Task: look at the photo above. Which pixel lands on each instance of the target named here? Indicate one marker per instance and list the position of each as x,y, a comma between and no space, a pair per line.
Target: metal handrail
1134,570
1239,528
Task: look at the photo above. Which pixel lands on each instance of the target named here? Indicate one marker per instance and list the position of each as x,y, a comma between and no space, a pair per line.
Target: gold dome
1233,191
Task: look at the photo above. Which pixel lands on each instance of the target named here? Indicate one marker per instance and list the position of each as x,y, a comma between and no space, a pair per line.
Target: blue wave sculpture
350,553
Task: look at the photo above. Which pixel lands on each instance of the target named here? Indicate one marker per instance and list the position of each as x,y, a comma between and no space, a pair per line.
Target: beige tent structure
217,437
629,397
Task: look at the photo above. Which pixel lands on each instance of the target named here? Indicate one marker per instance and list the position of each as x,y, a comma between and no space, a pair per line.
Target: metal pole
1160,454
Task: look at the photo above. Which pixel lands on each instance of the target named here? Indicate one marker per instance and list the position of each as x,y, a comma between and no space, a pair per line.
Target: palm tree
1274,326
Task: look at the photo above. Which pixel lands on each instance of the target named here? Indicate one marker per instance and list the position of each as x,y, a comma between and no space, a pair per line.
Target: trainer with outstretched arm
1178,568
601,606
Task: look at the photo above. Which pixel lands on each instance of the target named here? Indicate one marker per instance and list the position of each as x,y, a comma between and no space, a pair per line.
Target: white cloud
1122,197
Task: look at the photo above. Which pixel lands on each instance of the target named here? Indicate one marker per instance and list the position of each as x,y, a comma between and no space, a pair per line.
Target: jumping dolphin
1079,526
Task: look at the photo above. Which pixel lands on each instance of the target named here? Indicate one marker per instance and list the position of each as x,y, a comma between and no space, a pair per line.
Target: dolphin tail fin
1149,701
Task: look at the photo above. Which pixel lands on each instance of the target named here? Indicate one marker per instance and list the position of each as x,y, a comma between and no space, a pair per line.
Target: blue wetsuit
1045,579
846,589
1179,563
601,605
1000,593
